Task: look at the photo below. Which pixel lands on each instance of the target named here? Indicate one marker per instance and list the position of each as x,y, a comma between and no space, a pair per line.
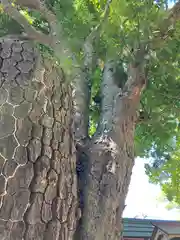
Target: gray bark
38,190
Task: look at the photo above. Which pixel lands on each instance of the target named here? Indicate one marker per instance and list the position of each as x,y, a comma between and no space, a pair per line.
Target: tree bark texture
40,196
110,156
38,190
42,186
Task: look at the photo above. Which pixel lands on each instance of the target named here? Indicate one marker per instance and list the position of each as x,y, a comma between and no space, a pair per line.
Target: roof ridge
150,220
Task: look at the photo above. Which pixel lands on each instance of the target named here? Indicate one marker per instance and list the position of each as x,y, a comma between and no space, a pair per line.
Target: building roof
169,228
141,228
133,227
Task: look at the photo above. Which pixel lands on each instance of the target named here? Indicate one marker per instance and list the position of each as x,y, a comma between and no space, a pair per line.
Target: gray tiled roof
169,228
137,227
144,227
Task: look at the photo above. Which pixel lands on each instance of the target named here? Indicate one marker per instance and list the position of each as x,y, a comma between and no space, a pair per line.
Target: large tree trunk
38,181
39,196
38,190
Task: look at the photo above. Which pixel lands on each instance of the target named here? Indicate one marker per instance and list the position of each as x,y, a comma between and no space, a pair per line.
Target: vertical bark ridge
38,189
109,91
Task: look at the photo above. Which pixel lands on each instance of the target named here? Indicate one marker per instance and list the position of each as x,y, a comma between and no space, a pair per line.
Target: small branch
167,27
31,32
137,75
55,31
98,28
93,39
30,4
170,97
174,12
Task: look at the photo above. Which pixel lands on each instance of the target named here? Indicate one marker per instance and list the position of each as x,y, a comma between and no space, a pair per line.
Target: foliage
129,23
8,26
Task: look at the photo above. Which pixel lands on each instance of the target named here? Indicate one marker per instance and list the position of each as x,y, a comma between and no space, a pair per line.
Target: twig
170,97
98,28
167,27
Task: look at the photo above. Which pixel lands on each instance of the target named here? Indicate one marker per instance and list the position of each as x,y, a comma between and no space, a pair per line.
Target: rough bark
111,158
38,190
38,180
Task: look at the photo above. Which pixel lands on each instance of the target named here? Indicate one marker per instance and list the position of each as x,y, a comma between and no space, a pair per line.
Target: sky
143,197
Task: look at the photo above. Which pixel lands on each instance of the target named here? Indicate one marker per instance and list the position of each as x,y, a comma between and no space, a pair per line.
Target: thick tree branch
109,92
82,93
30,31
136,70
116,100
53,38
31,4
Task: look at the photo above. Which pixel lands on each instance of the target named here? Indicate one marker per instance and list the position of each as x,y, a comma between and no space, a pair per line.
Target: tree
99,56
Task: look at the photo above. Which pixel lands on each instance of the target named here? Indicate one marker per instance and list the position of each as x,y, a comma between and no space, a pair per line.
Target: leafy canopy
129,23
